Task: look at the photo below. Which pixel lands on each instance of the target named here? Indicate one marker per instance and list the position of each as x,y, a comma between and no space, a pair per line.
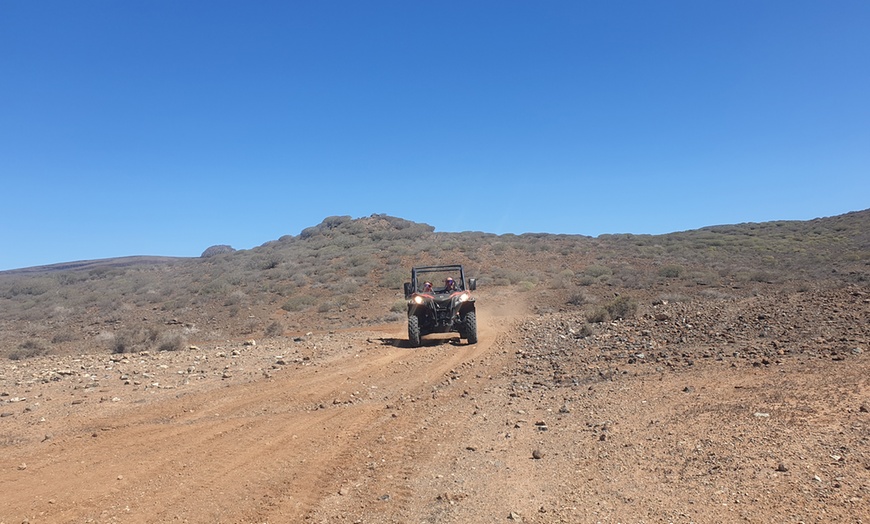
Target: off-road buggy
440,301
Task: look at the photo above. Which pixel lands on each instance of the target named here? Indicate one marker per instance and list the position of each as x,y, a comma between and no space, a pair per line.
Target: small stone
782,468
537,454
515,516
22,467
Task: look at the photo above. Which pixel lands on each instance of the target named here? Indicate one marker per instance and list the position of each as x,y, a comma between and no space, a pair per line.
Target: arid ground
749,410
616,380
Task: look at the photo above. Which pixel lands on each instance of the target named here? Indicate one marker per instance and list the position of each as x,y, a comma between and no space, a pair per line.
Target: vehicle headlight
418,300
463,297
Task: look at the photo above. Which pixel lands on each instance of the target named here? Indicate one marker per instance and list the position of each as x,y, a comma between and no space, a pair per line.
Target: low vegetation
345,272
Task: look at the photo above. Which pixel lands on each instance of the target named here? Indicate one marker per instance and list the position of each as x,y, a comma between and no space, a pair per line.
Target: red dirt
531,424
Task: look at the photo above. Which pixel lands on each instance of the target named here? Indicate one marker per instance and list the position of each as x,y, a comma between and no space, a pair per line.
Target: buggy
440,301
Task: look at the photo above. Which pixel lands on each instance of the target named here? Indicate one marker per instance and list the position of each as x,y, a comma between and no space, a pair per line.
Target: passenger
449,285
427,287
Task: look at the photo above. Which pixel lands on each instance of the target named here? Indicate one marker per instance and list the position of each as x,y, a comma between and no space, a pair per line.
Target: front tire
414,331
471,327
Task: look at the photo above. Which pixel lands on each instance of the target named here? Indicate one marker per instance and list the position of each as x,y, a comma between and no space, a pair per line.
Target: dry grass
346,272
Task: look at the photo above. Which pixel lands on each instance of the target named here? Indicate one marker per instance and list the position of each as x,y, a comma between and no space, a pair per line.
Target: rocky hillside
348,272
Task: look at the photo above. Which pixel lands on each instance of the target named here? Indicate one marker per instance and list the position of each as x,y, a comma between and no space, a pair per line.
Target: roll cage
437,275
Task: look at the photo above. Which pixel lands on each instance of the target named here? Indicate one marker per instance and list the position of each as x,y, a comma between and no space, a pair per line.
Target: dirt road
355,427
345,430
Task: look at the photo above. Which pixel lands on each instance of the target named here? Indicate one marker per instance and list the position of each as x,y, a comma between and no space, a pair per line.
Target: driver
449,285
427,287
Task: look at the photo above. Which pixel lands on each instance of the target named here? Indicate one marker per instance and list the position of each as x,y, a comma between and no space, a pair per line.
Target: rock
515,516
537,454
782,468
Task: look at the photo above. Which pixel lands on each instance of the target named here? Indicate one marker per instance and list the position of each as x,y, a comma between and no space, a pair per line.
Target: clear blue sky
158,127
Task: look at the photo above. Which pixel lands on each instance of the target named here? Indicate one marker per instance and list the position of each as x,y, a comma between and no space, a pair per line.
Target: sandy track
311,442
357,428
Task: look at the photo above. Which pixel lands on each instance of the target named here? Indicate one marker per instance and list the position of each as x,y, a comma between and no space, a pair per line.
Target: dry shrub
172,342
671,271
298,303
621,307
29,349
578,298
275,329
618,308
598,315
